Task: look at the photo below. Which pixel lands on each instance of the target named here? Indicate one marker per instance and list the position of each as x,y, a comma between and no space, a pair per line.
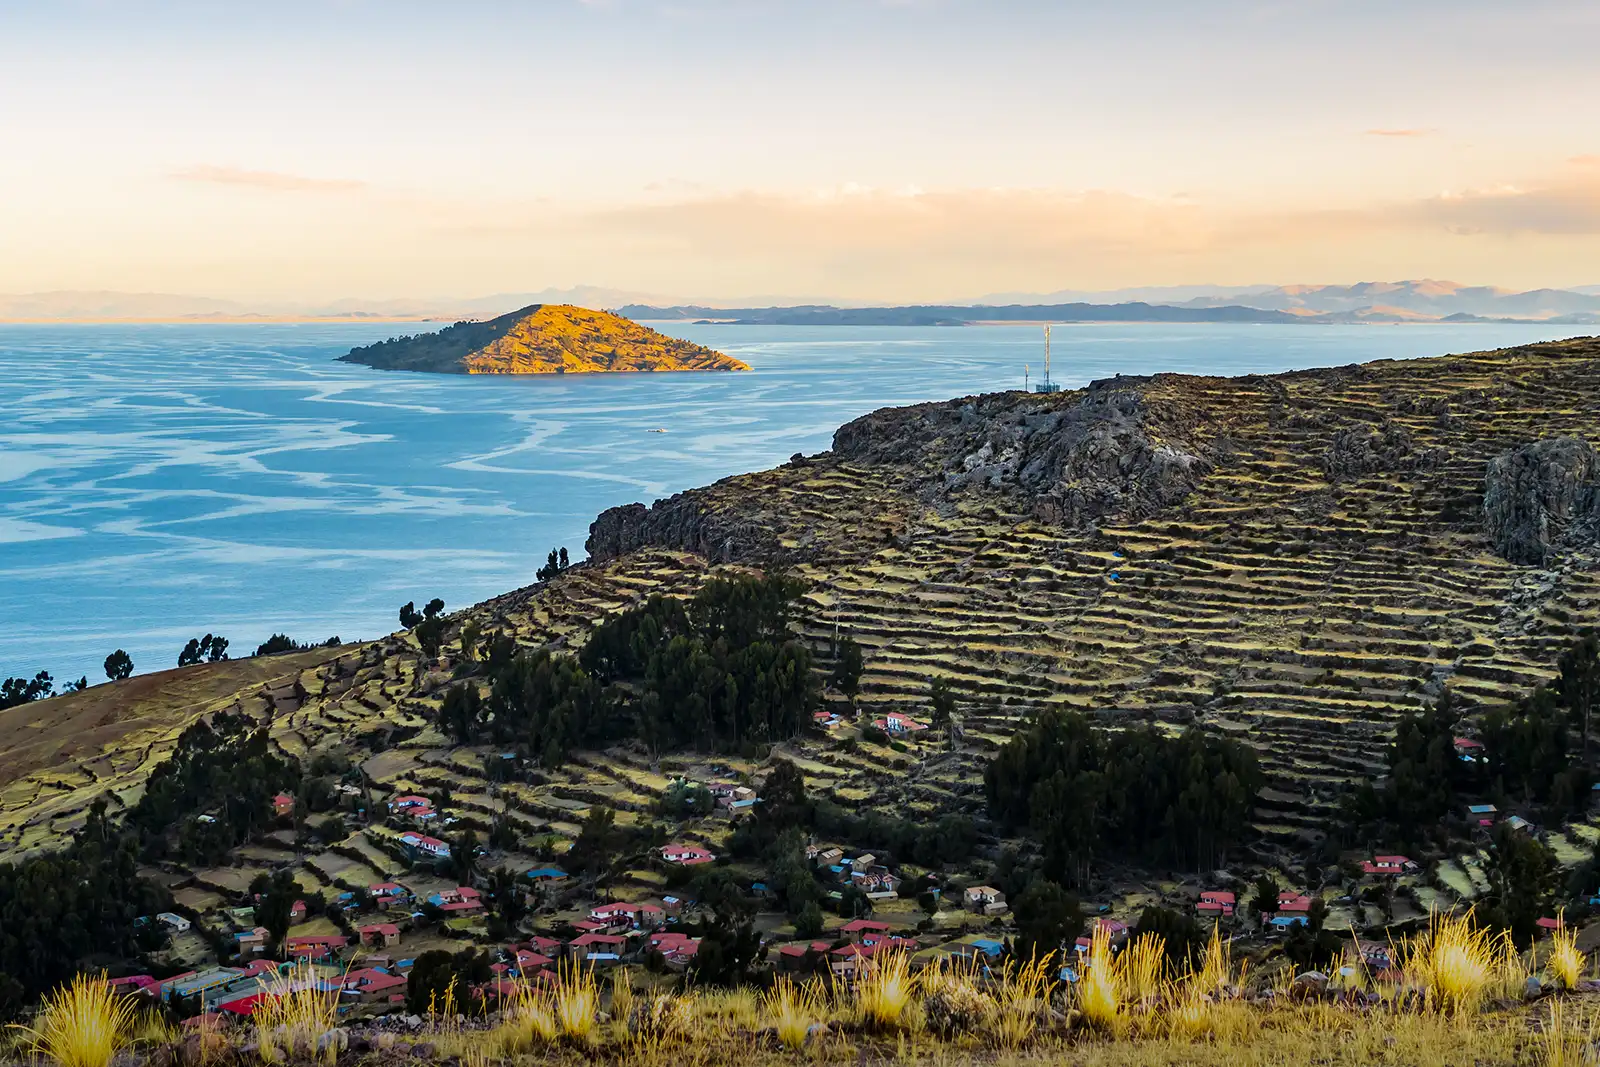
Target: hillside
543,339
1291,560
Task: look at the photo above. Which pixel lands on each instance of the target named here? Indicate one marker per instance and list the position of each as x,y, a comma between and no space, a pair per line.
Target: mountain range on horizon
1407,300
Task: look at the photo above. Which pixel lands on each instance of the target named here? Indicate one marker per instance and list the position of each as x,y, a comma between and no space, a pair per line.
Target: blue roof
1289,920
1480,809
992,947
547,872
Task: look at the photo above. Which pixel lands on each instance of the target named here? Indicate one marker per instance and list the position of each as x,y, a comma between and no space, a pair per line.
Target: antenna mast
1045,386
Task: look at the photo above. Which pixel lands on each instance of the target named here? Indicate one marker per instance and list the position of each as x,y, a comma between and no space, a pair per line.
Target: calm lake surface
159,482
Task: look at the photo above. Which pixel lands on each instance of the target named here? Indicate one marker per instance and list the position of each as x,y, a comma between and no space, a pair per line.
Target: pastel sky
846,149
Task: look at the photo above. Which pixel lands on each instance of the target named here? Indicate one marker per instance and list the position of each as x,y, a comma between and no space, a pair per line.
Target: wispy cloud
267,179
1403,132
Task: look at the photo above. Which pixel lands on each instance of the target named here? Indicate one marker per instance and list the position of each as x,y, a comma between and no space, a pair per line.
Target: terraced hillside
1292,560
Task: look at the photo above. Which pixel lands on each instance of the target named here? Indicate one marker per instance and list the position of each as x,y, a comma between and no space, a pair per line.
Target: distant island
543,339
1131,311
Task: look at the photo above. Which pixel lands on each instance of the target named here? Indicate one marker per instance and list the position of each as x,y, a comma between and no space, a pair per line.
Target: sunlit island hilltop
543,339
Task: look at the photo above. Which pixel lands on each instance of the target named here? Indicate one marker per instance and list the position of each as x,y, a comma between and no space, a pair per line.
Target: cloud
1567,206
1398,133
266,179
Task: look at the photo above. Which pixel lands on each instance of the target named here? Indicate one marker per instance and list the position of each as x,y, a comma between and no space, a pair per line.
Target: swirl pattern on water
158,482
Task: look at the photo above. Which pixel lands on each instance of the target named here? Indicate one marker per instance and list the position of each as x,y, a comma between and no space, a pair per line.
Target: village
361,941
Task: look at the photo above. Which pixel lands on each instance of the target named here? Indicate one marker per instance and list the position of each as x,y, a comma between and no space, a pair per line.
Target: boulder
1542,497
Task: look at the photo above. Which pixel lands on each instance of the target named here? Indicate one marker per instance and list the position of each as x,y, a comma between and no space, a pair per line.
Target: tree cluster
211,648
1135,794
225,771
718,672
554,565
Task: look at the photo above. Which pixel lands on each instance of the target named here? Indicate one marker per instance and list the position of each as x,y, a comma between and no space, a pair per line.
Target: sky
866,150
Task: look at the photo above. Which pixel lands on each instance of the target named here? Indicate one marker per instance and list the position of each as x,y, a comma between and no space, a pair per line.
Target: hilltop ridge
543,339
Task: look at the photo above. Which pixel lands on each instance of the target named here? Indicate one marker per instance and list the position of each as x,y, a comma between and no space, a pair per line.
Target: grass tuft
1566,962
793,1010
1455,962
82,1024
1021,1001
1100,985
884,989
296,1018
576,998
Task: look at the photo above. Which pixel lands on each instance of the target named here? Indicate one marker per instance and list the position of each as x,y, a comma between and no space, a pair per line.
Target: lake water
159,482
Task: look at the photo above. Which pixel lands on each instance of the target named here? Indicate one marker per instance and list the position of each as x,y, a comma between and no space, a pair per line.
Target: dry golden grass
295,1017
82,1024
1021,1002
576,998
1455,963
884,991
1565,963
792,1011
1099,988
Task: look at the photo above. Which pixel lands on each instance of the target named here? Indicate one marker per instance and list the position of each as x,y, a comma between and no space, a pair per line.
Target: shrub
82,1024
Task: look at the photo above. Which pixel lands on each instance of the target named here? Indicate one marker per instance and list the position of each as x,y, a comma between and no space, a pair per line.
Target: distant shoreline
225,320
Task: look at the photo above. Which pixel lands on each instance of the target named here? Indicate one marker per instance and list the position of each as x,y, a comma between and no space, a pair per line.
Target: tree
554,564
409,616
942,702
1579,684
208,649
1048,919
1522,875
430,635
464,856
848,663
119,665
808,924
432,608
1265,899
471,634
17,691
275,644
853,903
1184,939
507,897
275,896
460,712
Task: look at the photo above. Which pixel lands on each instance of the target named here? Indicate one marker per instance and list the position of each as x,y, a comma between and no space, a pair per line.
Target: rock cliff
1542,497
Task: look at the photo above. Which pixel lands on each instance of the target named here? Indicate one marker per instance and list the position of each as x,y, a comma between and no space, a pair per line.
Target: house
419,845
407,804
863,929
826,719
547,875
878,883
372,984
1517,822
315,948
1374,955
1547,925
980,897
599,948
527,962
634,916
461,900
677,950
899,725
137,983
827,857
251,942
174,922
389,894
380,935
736,795
297,911
687,855
1468,750
672,905
793,955
1389,866
1482,814
1292,903
1283,922
1216,902
283,804
192,983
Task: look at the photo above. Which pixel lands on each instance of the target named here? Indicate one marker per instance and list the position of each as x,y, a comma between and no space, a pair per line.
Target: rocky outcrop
1386,448
1542,497
683,522
1071,458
